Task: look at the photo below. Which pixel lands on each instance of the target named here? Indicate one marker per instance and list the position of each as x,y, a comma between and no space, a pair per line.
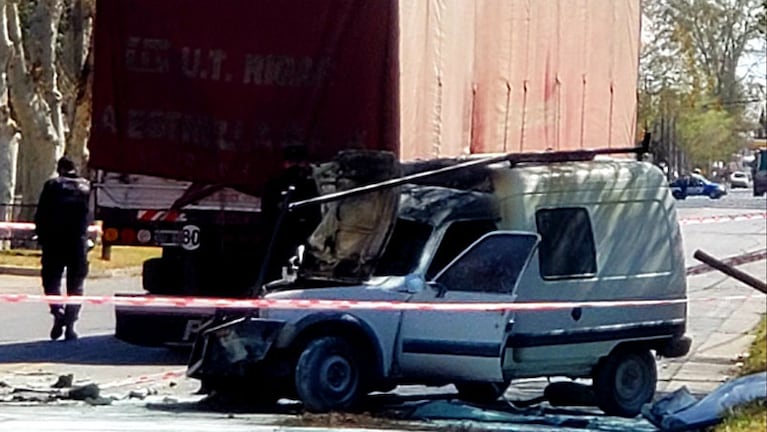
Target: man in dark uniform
299,224
61,224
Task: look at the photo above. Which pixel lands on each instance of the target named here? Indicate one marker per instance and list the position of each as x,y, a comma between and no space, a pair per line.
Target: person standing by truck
61,224
297,225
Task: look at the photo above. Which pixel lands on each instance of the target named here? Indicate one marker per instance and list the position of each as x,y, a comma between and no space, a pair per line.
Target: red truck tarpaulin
212,91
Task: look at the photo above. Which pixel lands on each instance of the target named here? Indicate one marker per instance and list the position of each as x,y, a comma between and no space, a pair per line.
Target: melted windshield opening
404,249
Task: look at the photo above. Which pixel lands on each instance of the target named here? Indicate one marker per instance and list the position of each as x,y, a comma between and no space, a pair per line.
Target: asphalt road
721,313
742,199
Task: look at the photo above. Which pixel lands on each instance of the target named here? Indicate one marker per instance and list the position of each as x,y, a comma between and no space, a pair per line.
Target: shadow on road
94,350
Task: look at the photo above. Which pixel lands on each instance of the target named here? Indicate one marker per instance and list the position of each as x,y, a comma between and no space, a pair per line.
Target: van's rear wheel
481,392
625,381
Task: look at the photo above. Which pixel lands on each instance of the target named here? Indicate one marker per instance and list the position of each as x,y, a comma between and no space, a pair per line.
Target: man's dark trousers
71,255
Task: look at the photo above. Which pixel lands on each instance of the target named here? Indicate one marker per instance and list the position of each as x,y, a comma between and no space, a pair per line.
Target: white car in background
740,179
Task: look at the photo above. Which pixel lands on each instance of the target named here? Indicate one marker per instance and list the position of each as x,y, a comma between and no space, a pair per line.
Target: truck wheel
625,381
715,195
328,375
677,195
481,392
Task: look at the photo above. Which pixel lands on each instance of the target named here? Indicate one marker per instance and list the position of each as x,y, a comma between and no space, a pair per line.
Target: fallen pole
731,271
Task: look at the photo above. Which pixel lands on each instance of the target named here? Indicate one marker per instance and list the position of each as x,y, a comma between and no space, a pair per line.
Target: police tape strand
262,303
29,226
224,303
722,218
146,379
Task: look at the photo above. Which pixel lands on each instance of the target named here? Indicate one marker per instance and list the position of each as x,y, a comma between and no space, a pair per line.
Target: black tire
481,392
715,194
241,392
155,277
677,195
329,375
625,381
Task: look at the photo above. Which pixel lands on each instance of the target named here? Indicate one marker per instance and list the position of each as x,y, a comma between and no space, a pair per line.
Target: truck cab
500,276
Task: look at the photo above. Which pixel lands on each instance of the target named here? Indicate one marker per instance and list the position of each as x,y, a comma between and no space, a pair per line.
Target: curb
35,271
19,271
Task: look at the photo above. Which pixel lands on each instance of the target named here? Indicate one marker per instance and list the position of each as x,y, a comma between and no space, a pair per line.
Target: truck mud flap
156,327
233,349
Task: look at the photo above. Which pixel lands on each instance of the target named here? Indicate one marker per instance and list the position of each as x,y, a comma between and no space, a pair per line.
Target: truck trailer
195,101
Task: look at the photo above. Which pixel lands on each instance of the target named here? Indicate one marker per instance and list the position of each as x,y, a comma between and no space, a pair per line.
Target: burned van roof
435,205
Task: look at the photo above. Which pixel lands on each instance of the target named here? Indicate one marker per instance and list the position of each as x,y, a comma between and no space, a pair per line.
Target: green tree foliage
707,39
707,135
691,70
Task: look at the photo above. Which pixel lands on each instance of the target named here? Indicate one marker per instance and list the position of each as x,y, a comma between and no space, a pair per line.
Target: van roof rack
512,158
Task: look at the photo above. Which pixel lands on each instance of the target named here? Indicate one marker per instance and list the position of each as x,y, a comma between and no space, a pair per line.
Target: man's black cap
66,166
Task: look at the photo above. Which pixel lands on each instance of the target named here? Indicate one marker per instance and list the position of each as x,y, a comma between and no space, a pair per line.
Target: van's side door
466,344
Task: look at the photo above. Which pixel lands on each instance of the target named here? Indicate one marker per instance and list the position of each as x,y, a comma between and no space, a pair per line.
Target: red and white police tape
722,218
261,303
314,304
146,379
8,227
229,303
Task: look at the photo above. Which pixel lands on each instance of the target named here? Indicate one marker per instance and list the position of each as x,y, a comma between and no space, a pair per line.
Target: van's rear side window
567,243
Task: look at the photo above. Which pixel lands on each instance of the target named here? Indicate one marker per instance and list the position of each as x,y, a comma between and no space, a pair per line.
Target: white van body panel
639,256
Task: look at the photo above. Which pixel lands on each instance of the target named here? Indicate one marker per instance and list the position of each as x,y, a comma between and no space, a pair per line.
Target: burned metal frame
512,158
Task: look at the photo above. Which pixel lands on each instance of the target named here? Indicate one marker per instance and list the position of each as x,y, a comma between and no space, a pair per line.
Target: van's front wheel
329,375
625,381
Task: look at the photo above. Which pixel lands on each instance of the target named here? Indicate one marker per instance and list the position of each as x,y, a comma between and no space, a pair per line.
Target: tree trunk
9,148
75,66
80,127
9,135
35,97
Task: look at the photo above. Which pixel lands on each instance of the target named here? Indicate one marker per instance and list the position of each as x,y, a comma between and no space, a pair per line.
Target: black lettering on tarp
217,58
286,71
195,63
147,55
254,70
135,124
108,122
190,62
208,133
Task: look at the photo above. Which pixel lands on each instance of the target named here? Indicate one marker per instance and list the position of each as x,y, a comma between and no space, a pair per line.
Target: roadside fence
13,235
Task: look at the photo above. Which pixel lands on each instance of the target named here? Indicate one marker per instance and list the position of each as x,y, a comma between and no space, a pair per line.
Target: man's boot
58,325
70,334
70,317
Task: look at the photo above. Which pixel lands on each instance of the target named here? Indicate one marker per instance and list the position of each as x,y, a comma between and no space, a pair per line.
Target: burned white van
577,233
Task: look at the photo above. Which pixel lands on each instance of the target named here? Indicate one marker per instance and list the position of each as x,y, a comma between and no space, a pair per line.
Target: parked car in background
740,179
696,185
